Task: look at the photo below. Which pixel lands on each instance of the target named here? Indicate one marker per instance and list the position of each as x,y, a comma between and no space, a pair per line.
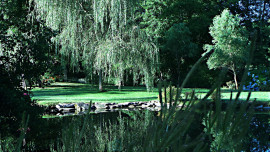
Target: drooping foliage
103,35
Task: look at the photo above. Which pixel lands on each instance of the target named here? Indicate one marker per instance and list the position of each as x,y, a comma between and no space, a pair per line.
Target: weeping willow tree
103,35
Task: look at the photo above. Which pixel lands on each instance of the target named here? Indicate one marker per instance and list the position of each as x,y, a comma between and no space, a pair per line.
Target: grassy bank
76,92
259,95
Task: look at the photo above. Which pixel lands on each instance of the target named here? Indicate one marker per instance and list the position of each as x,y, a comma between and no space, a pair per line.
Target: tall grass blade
23,129
217,84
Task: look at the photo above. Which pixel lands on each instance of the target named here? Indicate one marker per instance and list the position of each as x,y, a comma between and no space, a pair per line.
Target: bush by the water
15,102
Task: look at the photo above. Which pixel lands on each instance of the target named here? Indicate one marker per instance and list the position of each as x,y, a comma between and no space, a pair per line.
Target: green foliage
8,144
24,46
204,78
259,130
230,84
159,15
105,35
171,92
13,103
48,78
150,17
170,129
101,35
256,18
24,53
178,42
258,79
230,43
156,17
178,47
229,135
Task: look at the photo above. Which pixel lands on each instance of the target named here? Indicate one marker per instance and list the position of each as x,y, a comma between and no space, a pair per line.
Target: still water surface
49,130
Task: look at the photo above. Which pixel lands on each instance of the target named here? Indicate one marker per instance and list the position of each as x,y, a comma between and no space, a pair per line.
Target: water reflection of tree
236,135
228,130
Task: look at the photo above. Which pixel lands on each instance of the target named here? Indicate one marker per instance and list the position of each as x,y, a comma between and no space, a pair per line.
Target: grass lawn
263,96
259,95
76,92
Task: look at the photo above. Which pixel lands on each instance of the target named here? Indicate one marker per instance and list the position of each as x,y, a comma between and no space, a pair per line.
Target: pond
49,131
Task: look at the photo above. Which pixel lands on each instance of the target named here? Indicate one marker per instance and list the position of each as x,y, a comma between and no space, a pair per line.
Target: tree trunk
100,81
24,83
119,85
235,79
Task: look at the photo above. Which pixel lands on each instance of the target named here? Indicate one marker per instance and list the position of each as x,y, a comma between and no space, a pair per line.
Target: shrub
14,102
230,84
258,79
48,78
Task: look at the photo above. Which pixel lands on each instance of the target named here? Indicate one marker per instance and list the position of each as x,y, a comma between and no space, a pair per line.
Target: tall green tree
179,47
255,16
24,45
150,16
156,17
103,34
24,55
230,43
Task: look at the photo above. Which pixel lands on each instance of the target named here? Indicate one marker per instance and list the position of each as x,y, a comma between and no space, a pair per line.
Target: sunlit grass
259,95
255,95
76,92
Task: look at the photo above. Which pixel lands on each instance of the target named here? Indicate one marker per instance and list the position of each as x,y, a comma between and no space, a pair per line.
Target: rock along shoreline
97,107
